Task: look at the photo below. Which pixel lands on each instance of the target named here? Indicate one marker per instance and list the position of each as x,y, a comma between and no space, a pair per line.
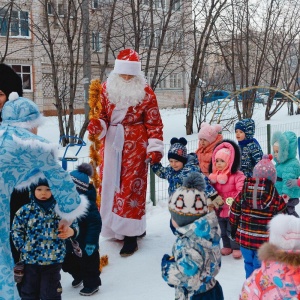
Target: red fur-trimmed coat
278,277
130,135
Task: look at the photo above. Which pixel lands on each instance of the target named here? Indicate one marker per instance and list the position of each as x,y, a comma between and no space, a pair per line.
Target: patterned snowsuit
24,158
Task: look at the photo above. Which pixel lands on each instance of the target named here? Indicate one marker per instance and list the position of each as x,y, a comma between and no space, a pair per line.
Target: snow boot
130,246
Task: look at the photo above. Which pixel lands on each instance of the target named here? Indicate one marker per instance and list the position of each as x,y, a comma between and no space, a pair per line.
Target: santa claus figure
131,125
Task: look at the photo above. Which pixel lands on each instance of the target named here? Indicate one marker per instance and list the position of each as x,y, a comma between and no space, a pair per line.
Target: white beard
125,93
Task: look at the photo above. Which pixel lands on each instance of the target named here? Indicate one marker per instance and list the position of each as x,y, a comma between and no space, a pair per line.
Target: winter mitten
94,127
293,182
155,157
89,249
285,198
215,203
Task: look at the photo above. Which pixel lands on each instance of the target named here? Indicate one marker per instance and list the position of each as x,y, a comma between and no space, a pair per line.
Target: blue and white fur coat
24,158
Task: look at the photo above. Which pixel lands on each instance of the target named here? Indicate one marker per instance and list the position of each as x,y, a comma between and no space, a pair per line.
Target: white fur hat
285,232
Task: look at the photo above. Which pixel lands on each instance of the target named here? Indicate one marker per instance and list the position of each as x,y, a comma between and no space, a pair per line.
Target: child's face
2,99
220,164
42,192
204,143
276,150
176,164
240,135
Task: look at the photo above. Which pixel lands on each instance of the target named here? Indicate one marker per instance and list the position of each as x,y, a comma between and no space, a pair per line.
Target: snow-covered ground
138,276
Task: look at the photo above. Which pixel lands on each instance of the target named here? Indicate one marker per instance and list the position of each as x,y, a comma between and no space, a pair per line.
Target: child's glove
285,198
292,183
153,157
215,203
165,262
89,249
94,127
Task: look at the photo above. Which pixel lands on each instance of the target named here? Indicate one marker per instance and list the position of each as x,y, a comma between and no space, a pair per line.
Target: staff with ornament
130,124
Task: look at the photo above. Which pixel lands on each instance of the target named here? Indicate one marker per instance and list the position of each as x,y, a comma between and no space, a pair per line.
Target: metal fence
158,188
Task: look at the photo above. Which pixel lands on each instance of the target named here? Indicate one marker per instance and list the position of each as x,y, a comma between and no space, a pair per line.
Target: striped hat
81,177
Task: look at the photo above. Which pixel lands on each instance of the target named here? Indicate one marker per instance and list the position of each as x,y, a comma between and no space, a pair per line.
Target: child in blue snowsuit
85,269
196,256
181,164
251,152
36,235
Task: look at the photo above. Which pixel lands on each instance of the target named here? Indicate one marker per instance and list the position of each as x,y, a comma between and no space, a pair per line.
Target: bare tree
60,39
205,16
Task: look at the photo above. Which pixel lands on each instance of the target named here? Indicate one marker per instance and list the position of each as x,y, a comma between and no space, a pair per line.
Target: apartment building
42,41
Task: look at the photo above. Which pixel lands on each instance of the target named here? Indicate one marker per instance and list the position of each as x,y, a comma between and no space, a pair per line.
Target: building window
162,84
97,3
175,81
145,38
50,9
160,4
96,42
25,73
176,5
17,22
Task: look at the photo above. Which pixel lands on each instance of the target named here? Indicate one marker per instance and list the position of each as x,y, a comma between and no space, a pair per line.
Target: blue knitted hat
81,177
247,126
178,149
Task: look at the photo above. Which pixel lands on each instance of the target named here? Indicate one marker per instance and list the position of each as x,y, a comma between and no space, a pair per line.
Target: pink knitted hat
209,132
265,169
223,154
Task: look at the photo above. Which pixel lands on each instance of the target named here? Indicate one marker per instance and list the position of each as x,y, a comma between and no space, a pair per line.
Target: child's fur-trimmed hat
10,81
188,203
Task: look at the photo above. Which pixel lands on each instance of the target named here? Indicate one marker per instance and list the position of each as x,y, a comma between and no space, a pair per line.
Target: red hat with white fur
128,62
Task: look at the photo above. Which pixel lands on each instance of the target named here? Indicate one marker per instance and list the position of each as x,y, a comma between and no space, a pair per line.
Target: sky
139,276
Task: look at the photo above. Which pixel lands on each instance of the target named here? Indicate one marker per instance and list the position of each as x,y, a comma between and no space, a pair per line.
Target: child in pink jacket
209,136
279,275
228,181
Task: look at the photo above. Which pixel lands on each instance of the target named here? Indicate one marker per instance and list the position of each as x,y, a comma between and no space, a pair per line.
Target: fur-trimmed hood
270,252
287,145
235,161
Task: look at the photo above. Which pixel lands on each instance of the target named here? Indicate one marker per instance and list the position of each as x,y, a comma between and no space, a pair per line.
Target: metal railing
158,188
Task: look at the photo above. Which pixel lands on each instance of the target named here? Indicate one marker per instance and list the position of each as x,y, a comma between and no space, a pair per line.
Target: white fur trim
104,129
155,145
35,143
127,67
30,124
78,212
32,180
13,96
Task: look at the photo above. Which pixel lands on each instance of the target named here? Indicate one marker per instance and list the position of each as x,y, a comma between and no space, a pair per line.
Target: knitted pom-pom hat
188,203
265,169
81,177
178,149
209,132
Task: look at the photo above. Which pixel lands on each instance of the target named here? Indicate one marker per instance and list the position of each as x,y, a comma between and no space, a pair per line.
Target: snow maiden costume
24,159
133,133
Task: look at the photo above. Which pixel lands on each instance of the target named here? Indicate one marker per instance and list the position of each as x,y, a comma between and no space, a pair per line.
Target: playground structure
222,105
